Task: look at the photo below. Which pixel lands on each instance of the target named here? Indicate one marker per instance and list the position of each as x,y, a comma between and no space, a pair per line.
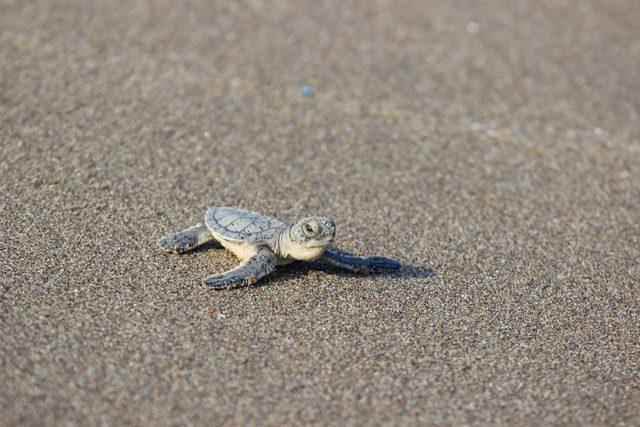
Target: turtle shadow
404,271
301,269
416,272
207,246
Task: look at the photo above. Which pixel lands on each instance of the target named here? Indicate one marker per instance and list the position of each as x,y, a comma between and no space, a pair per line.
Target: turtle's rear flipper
186,240
247,273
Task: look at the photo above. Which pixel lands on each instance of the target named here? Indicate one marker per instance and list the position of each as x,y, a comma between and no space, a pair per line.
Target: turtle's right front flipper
247,273
374,264
186,240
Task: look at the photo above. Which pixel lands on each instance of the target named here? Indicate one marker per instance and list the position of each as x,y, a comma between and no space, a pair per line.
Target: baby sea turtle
264,242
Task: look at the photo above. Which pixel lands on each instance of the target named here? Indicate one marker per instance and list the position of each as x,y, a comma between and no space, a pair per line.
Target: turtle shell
239,225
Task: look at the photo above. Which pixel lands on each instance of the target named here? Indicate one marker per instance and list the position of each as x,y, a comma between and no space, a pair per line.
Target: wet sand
492,147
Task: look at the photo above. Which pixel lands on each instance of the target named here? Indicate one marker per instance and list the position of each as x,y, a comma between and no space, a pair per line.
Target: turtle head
310,237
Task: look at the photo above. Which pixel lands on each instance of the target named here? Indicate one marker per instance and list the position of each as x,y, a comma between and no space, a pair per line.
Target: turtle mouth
321,245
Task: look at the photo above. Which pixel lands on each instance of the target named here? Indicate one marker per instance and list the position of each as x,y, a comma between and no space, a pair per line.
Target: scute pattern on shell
241,225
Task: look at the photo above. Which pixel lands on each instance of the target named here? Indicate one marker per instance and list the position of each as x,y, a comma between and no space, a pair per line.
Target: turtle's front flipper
374,264
249,272
186,240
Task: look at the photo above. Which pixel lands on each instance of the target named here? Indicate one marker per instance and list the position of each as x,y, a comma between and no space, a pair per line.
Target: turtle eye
309,229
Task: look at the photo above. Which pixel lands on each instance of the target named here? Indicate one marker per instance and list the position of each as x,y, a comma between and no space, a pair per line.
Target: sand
492,147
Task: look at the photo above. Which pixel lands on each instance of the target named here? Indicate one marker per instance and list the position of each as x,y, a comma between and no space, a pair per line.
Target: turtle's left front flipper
356,264
247,273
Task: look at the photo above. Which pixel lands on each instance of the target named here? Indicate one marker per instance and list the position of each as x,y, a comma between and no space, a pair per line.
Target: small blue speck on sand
306,90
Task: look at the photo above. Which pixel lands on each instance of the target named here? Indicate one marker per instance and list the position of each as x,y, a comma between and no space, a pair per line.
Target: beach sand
492,147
